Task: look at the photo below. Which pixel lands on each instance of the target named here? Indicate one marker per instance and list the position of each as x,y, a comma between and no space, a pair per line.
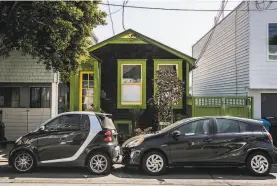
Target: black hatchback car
203,141
73,138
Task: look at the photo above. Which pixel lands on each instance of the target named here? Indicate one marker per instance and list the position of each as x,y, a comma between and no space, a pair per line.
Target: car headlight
136,142
18,139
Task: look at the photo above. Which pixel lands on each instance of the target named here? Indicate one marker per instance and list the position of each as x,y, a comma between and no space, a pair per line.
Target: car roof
85,112
230,117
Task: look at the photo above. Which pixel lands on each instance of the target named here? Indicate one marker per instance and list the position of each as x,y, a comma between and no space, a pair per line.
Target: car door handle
207,140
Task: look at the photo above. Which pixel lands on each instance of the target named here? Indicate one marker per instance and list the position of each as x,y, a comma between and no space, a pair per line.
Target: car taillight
108,136
268,135
108,133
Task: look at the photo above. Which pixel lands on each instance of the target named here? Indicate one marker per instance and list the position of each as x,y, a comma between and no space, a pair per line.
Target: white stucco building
241,57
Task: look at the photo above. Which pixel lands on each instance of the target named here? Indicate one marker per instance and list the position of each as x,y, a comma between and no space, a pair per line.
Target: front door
62,137
193,146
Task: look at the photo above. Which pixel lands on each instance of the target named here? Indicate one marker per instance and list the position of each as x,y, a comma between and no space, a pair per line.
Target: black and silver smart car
203,141
73,138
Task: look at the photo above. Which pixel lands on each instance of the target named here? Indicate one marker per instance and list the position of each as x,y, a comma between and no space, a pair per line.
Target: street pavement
122,176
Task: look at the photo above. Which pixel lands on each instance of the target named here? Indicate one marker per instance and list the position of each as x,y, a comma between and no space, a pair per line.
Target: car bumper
116,153
131,156
273,154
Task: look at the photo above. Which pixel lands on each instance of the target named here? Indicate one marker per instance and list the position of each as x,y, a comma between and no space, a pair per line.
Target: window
200,127
64,122
175,65
131,90
40,97
124,126
131,84
244,127
272,41
85,123
10,97
227,126
87,91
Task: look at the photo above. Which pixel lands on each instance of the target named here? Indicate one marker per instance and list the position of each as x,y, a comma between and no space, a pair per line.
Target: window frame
267,42
211,132
40,92
19,106
123,122
120,64
64,115
179,64
81,88
234,120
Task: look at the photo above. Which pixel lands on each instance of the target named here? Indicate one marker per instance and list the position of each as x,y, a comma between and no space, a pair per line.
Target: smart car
73,138
203,141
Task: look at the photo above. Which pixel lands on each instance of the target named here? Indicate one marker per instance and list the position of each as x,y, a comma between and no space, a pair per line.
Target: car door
231,139
62,137
193,144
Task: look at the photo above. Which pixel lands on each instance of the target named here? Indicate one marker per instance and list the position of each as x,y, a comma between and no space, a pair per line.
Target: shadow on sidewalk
195,173
131,173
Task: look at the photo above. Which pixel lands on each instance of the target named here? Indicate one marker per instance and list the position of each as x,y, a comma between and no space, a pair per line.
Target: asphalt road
122,176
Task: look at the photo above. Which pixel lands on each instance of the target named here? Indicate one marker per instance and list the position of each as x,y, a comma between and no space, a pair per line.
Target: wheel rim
23,162
259,164
154,163
98,163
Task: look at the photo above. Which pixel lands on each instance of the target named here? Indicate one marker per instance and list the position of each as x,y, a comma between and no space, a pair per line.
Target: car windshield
168,128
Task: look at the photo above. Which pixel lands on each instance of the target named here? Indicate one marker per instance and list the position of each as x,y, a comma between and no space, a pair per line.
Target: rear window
106,122
244,127
231,126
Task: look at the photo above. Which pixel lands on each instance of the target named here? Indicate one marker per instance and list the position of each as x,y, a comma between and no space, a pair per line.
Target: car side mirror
42,128
176,134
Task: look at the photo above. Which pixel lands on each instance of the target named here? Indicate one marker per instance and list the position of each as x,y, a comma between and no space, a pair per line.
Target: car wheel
23,162
99,163
259,164
154,163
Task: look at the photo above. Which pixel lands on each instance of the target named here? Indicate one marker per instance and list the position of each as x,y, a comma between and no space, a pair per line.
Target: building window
175,65
87,91
272,41
40,97
10,97
123,126
131,84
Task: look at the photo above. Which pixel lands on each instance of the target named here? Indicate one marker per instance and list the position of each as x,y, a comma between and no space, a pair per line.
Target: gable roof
144,39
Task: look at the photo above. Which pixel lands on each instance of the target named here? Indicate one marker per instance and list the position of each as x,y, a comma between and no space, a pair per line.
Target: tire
259,164
23,161
99,163
155,168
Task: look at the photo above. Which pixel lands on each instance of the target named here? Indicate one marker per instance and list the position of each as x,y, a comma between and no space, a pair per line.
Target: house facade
29,94
119,78
240,58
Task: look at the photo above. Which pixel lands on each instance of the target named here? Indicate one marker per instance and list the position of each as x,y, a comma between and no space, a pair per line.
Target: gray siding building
29,94
241,58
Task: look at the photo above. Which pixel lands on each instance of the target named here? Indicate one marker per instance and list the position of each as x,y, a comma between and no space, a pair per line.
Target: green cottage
119,77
